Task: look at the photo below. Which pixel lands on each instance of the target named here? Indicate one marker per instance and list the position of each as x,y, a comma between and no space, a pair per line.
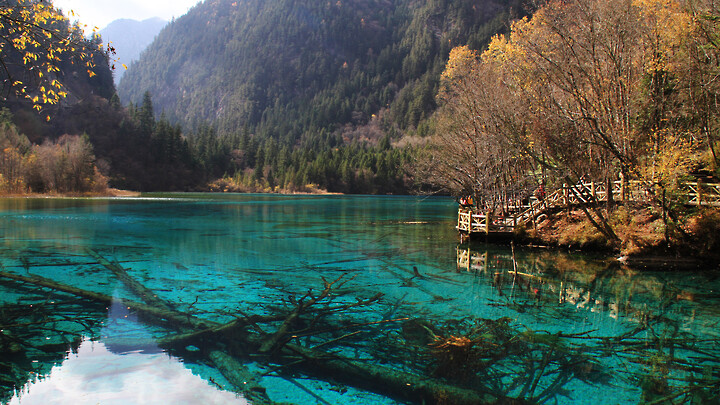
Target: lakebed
537,324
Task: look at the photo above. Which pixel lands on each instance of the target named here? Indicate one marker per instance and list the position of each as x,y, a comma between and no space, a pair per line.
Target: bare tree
476,146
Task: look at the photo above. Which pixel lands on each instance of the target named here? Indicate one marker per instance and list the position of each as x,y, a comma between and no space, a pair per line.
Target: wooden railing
700,193
487,221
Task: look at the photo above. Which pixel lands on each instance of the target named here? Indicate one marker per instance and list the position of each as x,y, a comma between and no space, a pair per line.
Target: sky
100,13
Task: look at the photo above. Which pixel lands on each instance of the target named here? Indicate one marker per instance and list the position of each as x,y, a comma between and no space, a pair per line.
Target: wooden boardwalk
487,221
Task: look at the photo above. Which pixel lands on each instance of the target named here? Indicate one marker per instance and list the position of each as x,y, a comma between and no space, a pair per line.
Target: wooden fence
487,220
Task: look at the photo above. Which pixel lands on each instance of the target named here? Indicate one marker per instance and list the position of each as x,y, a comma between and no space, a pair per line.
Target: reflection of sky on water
124,367
95,375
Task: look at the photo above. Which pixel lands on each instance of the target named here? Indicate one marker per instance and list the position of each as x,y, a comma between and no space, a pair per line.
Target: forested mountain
255,95
129,38
287,88
291,66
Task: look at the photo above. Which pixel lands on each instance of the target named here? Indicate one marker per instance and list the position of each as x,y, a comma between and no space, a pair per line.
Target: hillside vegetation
285,93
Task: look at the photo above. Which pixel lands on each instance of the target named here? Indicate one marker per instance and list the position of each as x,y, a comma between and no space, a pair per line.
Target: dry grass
571,230
704,228
640,229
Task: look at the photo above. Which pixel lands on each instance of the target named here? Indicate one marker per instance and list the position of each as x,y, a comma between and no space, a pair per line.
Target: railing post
699,192
488,221
565,195
592,190
623,187
532,215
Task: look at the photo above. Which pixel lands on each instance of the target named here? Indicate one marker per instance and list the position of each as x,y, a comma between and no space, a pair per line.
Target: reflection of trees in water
668,346
598,286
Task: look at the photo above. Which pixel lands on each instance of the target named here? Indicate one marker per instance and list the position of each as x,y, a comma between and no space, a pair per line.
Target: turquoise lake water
537,324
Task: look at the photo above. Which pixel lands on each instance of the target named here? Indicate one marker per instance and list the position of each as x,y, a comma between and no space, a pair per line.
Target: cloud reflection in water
95,375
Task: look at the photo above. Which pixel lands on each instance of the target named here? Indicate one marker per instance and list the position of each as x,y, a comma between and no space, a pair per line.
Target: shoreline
642,238
114,192
647,260
641,241
111,192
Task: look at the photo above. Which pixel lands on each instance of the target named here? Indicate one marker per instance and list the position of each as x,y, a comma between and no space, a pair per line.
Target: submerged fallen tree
225,344
326,334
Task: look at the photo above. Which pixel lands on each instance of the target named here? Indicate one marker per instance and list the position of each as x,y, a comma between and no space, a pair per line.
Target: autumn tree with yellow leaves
597,88
36,40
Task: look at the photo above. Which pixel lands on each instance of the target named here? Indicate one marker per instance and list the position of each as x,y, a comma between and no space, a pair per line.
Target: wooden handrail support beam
623,190
488,222
699,192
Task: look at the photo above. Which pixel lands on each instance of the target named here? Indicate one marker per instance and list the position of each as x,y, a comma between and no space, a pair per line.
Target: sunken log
373,377
174,320
386,380
244,381
146,295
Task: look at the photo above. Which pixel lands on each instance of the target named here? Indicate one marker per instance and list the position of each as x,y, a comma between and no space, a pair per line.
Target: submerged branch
272,342
365,375
145,294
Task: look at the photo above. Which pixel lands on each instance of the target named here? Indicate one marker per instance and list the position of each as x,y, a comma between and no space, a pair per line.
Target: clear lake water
543,325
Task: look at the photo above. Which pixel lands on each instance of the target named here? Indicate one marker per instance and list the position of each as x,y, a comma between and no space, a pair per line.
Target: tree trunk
373,377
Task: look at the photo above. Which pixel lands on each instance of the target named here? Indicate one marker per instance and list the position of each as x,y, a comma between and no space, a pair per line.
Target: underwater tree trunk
373,377
145,294
244,381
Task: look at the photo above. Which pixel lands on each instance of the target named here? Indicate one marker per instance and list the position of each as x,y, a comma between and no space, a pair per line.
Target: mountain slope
129,38
288,69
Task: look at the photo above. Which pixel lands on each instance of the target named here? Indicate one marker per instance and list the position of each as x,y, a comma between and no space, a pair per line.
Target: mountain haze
129,38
